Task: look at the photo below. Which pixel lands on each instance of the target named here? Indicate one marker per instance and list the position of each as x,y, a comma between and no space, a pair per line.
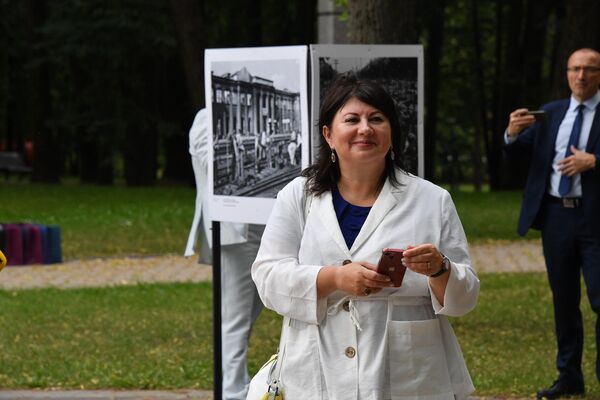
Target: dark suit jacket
537,142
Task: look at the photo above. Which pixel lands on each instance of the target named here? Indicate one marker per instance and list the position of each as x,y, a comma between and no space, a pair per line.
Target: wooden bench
11,162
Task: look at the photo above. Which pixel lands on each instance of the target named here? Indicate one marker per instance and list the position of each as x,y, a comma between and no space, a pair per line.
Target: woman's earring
392,154
333,157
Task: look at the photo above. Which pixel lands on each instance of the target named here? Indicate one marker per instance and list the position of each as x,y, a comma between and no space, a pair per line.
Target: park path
505,256
497,256
133,395
106,395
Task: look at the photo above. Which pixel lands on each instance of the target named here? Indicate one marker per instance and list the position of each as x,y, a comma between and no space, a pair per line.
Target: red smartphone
390,264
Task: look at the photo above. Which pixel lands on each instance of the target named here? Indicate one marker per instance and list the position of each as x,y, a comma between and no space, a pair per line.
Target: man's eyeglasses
587,70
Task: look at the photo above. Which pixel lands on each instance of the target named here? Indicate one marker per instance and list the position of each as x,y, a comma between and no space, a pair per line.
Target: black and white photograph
258,112
398,68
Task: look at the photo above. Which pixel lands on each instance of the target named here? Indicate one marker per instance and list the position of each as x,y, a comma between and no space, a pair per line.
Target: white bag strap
275,373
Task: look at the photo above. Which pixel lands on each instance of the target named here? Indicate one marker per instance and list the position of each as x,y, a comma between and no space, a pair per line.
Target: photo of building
257,99
256,137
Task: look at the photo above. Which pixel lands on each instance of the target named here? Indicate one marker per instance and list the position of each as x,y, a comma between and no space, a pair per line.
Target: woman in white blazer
351,334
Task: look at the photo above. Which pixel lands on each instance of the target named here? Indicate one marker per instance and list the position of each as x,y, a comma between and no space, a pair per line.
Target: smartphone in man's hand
538,114
390,264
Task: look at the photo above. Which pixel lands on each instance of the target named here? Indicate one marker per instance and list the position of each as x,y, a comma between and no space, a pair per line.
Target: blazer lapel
323,205
384,203
594,131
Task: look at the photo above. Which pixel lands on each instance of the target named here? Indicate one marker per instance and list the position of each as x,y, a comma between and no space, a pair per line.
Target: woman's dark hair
324,174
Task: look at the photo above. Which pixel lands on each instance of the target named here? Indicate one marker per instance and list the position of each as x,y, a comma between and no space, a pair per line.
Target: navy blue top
350,217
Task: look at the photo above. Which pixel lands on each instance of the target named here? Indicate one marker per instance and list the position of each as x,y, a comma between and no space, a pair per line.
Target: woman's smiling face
359,133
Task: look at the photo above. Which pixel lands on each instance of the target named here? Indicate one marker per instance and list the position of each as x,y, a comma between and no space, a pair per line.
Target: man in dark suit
562,199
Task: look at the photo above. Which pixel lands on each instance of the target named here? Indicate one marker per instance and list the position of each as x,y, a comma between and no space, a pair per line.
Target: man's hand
519,120
578,162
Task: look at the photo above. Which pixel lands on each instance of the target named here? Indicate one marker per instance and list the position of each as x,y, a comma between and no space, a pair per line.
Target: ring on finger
428,266
367,291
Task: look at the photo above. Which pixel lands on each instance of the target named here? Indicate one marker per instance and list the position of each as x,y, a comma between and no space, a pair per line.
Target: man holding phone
562,199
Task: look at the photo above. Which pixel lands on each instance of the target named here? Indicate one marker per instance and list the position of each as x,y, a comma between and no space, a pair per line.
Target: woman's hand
424,259
356,278
427,260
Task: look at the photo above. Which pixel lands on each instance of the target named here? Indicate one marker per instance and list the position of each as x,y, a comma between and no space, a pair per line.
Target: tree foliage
483,59
108,89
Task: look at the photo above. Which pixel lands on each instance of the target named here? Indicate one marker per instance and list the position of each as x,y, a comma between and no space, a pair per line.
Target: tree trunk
189,21
534,45
140,154
432,77
494,151
174,137
383,21
283,22
580,29
510,96
521,83
481,127
47,155
187,16
556,68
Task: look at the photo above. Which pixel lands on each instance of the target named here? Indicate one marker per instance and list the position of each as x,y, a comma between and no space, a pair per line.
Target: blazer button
346,262
346,305
350,352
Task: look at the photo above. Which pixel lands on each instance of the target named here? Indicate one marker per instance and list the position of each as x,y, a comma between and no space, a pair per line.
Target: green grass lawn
105,220
117,221
160,337
490,215
145,336
508,340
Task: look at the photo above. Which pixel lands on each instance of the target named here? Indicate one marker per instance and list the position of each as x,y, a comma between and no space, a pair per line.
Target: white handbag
266,384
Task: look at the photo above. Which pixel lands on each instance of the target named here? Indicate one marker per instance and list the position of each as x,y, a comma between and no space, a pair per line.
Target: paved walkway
105,272
525,256
132,395
521,256
106,395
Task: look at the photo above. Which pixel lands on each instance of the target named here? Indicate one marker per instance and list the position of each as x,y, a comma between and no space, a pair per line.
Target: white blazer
231,233
395,344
